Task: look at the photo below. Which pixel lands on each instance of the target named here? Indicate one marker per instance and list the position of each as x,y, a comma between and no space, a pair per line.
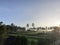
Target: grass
31,36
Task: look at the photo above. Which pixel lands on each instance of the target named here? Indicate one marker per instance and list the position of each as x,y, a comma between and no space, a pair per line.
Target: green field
33,37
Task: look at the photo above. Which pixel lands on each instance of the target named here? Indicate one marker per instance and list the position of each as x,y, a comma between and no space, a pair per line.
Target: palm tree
1,23
27,26
12,24
33,25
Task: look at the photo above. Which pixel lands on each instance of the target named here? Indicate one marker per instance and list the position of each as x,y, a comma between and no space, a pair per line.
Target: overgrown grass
31,36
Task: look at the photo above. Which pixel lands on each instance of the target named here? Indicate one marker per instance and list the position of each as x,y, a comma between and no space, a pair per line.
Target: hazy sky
21,12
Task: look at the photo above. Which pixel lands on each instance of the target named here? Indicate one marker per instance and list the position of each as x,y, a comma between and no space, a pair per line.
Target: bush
21,40
12,40
44,41
33,42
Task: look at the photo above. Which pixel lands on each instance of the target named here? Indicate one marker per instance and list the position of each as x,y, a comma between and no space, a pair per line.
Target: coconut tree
27,26
1,23
33,25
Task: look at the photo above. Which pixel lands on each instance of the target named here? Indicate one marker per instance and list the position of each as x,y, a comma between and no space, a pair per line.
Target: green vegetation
32,37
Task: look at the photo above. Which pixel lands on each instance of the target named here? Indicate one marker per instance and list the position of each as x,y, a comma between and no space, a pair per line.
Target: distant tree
39,28
2,32
33,25
43,28
56,30
27,26
12,24
1,29
8,28
12,27
1,23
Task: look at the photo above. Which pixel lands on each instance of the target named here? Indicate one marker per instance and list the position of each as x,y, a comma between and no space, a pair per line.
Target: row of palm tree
33,25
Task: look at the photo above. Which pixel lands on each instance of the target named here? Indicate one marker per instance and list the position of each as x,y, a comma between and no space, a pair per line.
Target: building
20,29
32,29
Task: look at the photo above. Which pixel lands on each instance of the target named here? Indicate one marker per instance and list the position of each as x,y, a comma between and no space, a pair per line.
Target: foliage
12,40
45,41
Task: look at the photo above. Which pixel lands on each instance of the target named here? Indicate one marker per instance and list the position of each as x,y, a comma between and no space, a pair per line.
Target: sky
22,12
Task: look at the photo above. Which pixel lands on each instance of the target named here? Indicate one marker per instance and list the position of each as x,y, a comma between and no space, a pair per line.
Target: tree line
9,28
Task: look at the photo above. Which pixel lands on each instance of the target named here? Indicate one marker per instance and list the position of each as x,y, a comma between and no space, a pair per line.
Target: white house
32,29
